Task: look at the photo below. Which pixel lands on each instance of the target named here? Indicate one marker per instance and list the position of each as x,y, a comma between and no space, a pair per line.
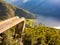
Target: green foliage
41,35
30,22
8,37
37,35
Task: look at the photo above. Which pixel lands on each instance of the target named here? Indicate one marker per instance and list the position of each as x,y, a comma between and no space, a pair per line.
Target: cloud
10,1
24,1
13,0
48,21
54,1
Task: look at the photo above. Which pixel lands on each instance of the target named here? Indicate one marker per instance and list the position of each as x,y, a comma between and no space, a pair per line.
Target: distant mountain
47,8
48,11
7,11
24,13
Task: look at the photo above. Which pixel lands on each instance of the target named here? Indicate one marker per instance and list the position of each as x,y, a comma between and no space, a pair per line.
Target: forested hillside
41,35
33,35
7,11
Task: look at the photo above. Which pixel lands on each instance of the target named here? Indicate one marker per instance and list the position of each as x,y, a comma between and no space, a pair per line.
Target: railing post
19,32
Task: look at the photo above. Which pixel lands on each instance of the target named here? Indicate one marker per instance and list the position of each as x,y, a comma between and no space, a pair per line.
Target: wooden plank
9,23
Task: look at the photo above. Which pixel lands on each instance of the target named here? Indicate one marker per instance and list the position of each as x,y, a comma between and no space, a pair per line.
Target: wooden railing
14,21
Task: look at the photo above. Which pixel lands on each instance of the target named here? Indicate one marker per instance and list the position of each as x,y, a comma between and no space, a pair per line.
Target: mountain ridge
7,11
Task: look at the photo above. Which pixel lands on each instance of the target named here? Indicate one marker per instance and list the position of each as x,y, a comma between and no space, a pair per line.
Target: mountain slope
48,11
7,11
47,8
23,13
41,35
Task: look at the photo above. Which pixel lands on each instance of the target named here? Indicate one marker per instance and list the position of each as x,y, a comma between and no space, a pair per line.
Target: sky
24,1
48,21
10,1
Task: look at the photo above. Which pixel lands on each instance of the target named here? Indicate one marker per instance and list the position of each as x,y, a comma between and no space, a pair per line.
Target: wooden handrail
9,23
